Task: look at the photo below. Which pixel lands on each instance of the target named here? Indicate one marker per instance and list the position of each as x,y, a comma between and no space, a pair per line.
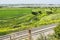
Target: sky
29,1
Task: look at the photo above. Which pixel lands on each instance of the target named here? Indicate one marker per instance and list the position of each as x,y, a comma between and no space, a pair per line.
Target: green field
13,12
17,19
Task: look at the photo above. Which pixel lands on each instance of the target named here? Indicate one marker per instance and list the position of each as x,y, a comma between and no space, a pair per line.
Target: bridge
45,29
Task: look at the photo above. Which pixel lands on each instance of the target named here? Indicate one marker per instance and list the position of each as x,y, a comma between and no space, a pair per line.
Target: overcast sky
29,1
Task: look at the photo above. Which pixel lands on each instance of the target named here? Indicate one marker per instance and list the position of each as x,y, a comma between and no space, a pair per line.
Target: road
24,34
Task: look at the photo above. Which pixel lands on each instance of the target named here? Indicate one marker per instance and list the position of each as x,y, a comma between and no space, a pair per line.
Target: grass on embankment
23,22
53,18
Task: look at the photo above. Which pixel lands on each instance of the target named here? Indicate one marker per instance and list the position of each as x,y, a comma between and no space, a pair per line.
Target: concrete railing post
29,35
12,37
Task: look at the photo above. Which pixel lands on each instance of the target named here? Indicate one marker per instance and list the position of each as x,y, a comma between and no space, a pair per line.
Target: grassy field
13,12
17,19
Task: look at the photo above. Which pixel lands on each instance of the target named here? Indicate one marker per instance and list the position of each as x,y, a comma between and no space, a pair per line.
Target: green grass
13,12
14,19
53,18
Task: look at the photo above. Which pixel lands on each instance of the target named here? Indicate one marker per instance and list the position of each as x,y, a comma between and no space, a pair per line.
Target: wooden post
29,35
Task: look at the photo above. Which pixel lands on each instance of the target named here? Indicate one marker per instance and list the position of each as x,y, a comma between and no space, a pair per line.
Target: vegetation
57,31
48,37
17,19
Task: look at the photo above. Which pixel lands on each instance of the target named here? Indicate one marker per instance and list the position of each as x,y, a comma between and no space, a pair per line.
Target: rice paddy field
17,19
13,12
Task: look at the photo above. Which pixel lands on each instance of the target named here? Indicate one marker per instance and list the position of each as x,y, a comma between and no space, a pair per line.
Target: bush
49,12
34,13
57,31
0,6
48,37
40,12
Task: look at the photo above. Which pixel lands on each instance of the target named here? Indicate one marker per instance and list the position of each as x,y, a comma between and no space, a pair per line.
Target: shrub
49,12
34,13
48,37
57,31
40,12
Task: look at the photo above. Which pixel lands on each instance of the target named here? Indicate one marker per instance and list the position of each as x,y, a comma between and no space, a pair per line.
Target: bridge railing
25,34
